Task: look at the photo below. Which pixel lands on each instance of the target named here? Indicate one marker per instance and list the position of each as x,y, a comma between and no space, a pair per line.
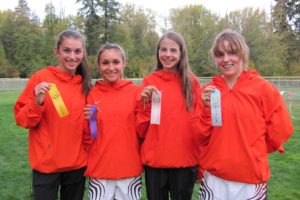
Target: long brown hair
83,68
182,67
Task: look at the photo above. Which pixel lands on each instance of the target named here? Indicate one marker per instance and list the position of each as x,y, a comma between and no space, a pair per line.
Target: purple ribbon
93,122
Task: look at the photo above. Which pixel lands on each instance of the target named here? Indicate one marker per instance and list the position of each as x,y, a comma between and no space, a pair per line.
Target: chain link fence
282,83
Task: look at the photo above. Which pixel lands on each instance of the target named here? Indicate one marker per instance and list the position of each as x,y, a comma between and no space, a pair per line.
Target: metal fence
281,83
7,84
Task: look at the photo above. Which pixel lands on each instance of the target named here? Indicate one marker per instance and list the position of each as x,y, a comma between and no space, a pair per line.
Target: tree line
26,42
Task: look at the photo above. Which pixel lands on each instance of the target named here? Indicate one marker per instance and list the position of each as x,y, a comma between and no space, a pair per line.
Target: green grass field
15,172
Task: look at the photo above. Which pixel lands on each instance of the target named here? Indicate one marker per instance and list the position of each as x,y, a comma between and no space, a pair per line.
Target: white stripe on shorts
125,189
96,189
135,188
214,188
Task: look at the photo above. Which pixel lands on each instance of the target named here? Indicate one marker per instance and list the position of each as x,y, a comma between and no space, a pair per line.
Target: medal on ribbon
216,112
58,101
93,122
155,108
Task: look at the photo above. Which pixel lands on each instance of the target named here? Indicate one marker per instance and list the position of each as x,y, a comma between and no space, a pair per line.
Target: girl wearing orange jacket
51,107
254,122
114,164
169,150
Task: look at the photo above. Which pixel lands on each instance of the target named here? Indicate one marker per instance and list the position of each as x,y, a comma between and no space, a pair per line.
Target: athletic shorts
69,184
122,189
214,188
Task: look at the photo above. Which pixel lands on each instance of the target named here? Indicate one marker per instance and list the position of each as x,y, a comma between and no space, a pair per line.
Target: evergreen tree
285,16
92,24
110,9
49,33
101,15
27,55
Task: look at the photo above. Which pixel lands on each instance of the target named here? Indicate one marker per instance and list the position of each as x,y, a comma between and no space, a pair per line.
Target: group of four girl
179,147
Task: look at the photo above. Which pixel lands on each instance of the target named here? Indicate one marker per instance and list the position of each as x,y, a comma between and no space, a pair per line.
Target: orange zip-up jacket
255,123
55,144
171,144
115,153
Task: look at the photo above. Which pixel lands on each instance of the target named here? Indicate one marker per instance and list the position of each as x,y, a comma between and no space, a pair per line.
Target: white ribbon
155,108
216,112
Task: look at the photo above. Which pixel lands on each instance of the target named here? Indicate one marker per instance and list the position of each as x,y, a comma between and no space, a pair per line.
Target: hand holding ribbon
90,113
40,91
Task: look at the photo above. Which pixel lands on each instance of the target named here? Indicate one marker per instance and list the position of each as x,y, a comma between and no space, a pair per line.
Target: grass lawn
15,172
15,176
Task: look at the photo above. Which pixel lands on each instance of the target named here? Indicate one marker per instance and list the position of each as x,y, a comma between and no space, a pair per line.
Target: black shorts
71,185
176,182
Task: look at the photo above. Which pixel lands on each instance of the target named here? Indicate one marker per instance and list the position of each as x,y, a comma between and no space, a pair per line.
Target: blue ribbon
93,122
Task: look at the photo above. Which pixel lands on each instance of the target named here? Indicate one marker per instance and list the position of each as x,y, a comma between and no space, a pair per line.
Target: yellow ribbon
58,101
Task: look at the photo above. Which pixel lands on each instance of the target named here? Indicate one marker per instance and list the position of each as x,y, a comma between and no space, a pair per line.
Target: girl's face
228,62
70,54
169,55
111,65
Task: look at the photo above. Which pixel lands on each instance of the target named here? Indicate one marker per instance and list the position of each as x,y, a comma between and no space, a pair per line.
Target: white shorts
122,189
214,188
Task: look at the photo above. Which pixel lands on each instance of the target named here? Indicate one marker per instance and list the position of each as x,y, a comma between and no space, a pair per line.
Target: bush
8,71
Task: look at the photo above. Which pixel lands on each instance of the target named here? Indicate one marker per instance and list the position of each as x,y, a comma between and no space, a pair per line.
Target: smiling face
70,54
228,61
169,55
111,65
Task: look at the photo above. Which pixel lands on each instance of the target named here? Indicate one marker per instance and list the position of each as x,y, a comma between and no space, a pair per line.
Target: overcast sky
161,7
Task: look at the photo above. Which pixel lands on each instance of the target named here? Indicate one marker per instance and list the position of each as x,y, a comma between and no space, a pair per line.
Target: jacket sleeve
27,113
201,124
87,139
143,114
278,121
200,120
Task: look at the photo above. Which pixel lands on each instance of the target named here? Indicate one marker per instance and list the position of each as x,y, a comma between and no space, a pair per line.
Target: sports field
15,173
